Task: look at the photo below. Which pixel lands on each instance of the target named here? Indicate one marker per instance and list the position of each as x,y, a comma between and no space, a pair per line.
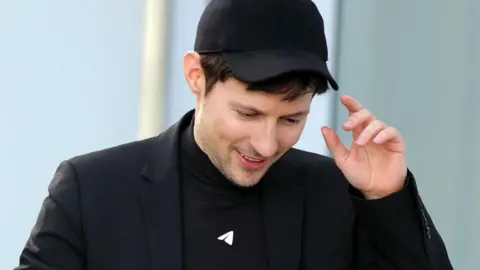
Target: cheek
288,137
229,130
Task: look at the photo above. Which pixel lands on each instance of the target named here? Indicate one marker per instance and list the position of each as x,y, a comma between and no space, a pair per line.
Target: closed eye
247,114
250,115
292,120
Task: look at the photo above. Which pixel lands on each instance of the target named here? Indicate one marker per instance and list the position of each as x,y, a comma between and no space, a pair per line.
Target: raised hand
375,163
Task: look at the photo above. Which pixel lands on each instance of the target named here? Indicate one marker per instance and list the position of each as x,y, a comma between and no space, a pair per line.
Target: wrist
375,194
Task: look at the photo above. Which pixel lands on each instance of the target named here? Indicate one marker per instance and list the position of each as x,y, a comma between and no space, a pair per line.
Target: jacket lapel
160,197
283,212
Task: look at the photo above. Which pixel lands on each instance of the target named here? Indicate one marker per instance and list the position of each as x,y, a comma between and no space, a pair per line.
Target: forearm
400,232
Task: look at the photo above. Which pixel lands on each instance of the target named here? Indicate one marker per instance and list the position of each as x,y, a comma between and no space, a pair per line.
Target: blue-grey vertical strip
336,72
469,160
168,59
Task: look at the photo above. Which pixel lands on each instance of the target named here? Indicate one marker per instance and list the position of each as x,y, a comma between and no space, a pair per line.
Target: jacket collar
160,197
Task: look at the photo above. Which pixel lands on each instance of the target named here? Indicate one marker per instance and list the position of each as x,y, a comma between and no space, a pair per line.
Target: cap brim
256,66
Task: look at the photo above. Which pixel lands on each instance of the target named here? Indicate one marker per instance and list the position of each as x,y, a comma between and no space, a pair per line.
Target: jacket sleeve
397,232
56,240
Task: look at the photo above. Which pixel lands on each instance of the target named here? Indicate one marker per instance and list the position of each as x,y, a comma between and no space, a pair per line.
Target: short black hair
293,85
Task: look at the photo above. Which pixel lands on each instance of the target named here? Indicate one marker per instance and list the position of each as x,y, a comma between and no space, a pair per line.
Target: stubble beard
224,165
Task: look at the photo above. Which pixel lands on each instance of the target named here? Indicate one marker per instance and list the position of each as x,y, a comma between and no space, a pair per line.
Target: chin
243,177
247,182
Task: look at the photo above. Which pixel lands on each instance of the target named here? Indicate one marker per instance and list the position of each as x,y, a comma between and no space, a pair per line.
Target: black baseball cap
262,39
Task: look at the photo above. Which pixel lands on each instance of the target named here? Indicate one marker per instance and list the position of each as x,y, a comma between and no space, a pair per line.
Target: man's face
245,132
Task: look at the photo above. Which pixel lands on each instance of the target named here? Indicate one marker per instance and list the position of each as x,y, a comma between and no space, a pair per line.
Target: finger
370,132
388,134
359,118
335,145
351,104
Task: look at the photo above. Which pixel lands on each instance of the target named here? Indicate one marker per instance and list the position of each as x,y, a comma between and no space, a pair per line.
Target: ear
193,72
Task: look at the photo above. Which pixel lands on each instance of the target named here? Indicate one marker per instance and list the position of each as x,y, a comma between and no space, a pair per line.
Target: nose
265,141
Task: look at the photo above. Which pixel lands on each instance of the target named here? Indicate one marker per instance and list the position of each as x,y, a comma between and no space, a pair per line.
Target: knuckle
355,118
380,123
366,113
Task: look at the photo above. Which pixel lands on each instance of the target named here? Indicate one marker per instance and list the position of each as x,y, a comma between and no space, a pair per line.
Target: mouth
250,162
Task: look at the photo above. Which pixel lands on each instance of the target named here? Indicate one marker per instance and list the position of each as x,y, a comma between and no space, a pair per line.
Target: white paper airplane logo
227,238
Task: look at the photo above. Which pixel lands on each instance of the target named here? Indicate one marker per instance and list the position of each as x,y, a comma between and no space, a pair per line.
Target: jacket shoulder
116,155
112,166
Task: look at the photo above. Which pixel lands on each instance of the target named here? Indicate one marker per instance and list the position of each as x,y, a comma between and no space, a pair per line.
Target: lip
250,164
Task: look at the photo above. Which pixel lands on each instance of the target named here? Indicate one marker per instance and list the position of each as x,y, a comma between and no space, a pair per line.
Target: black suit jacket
120,208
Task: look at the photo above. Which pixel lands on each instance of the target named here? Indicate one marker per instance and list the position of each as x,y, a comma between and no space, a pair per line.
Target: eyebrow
238,105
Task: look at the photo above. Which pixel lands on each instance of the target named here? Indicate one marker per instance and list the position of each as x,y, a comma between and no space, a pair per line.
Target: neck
196,136
199,162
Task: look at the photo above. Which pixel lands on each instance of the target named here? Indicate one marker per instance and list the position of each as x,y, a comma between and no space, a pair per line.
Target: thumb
335,145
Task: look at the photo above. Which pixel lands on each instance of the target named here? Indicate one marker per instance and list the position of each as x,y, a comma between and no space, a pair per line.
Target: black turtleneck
212,207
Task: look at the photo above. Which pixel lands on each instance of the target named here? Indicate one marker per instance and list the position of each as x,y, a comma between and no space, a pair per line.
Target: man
224,189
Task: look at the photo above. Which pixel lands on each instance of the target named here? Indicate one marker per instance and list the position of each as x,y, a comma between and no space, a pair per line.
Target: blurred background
78,76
